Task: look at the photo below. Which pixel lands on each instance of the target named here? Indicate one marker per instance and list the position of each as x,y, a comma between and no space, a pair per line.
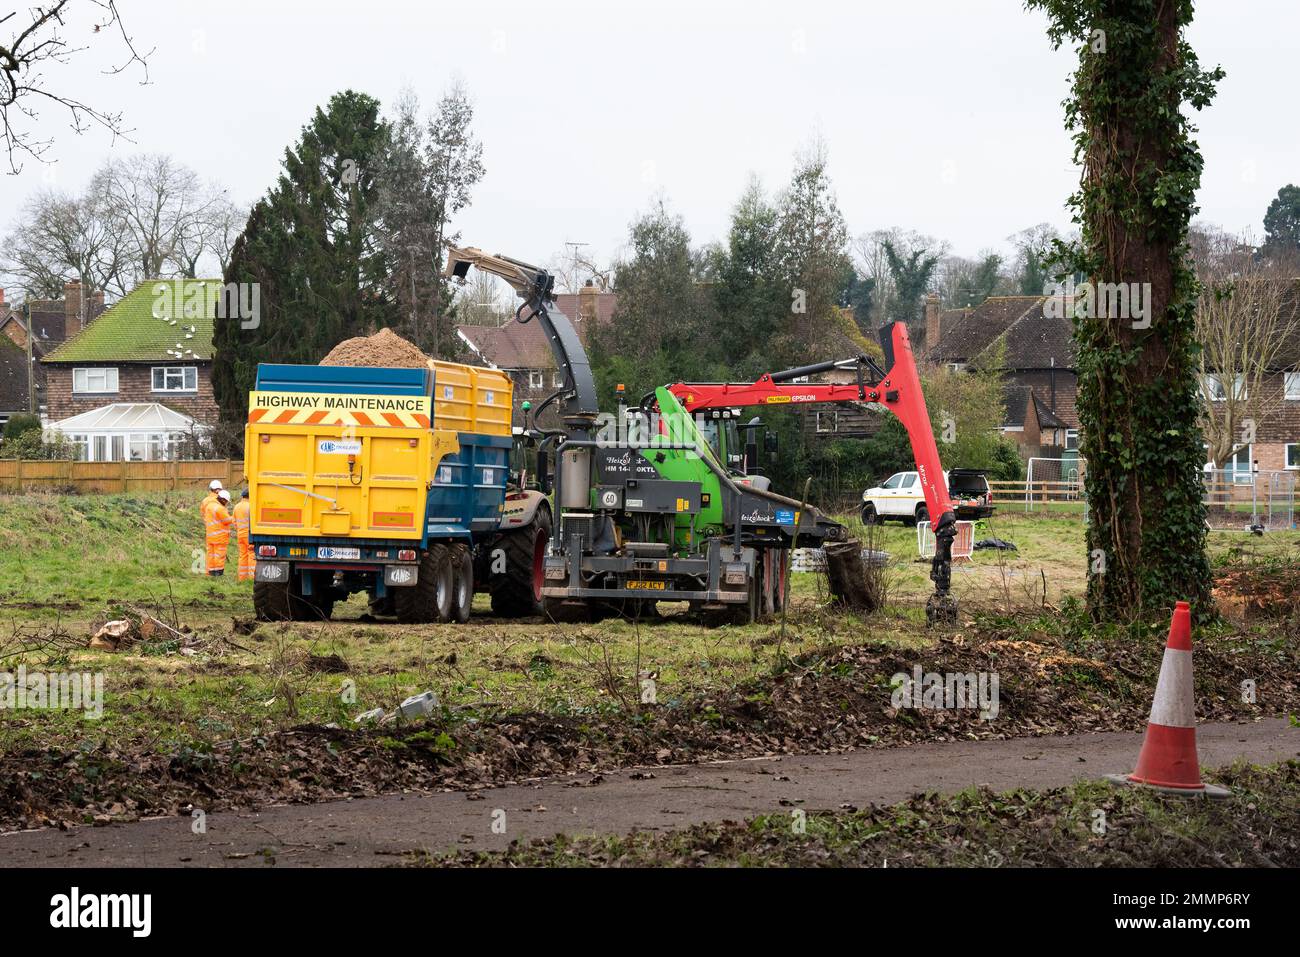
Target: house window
1216,388
828,421
94,381
1071,439
175,379
1238,467
557,380
1293,386
536,380
1293,455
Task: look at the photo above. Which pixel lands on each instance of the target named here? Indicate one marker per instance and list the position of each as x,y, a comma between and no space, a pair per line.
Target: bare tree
483,301
39,39
574,268
455,161
59,237
156,203
1247,323
209,235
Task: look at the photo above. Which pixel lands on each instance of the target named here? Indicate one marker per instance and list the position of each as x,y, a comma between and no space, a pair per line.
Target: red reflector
413,442
266,436
406,555
265,551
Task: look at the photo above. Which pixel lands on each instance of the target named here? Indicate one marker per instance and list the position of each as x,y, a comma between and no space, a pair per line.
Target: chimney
932,330
96,305
588,303
2,296
71,308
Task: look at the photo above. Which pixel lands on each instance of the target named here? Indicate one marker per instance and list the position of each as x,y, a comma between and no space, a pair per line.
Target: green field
69,563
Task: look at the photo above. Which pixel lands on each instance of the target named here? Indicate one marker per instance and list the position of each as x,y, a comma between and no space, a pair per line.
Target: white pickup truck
900,497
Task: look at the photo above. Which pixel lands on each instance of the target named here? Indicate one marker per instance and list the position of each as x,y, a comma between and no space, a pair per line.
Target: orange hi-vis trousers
243,512
217,522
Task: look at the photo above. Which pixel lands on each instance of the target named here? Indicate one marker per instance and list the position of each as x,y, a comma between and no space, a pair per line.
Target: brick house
138,379
1037,367
1277,434
521,349
55,320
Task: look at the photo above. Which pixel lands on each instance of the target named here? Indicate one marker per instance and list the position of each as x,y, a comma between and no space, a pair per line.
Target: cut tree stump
848,577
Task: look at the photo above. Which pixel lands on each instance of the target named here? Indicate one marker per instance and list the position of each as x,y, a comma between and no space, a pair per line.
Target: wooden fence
34,475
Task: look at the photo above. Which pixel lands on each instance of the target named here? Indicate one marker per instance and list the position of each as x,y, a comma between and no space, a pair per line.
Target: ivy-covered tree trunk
1134,317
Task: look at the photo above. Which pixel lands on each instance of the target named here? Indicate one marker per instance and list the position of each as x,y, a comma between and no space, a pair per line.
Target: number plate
338,553
648,586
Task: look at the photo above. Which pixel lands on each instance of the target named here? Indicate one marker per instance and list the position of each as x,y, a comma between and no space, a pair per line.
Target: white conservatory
127,431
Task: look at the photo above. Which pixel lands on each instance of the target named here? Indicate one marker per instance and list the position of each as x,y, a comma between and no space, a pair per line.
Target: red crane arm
899,392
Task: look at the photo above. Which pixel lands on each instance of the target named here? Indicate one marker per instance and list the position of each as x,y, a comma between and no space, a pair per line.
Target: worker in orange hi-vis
243,514
218,522
210,499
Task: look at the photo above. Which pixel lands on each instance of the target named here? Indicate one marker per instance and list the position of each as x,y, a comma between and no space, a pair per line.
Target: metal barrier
1240,499
963,546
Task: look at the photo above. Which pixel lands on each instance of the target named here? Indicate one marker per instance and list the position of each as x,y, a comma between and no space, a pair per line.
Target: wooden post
18,474
126,474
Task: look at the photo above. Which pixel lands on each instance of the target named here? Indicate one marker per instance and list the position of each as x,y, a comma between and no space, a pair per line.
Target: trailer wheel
462,595
517,591
283,601
271,601
429,599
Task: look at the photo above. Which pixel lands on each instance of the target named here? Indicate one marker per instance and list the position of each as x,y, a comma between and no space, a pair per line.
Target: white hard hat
223,495
215,485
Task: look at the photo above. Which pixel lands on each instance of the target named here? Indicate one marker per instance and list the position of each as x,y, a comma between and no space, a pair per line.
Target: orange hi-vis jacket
217,522
243,515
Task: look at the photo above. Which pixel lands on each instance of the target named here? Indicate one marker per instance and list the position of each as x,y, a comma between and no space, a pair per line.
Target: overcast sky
942,116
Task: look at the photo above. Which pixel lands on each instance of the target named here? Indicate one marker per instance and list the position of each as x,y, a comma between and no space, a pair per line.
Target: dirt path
377,831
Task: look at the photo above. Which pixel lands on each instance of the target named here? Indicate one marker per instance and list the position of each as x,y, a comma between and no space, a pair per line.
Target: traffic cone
1168,761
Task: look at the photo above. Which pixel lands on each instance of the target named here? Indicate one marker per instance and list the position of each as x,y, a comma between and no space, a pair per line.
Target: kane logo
73,910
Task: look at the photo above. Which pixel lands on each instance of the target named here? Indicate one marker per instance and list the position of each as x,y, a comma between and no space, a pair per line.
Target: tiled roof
1047,419
152,323
1033,339
515,345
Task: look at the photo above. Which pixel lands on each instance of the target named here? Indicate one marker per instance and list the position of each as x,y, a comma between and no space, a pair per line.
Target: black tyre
870,516
922,514
385,607
517,591
276,601
429,599
462,592
271,601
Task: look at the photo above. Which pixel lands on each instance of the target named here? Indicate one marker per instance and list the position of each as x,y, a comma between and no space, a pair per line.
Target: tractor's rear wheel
517,591
429,599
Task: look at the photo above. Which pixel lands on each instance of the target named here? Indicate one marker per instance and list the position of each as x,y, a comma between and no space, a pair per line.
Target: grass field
68,563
